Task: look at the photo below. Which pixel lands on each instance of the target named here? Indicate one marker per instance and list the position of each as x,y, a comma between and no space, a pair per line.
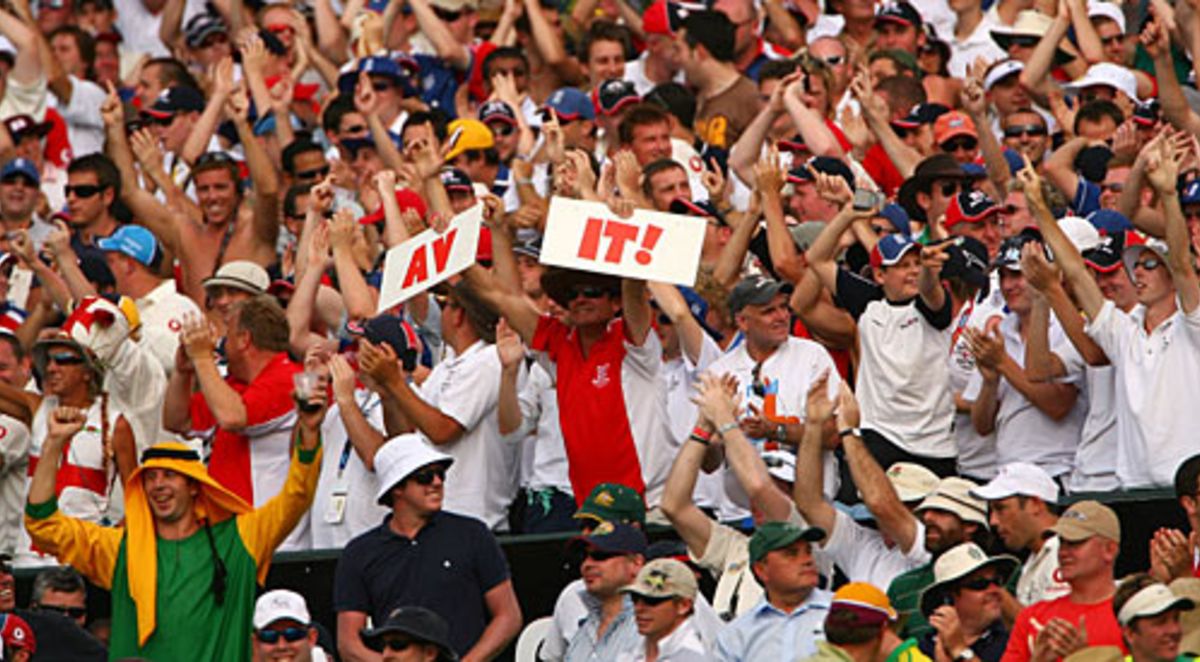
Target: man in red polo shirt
611,395
248,415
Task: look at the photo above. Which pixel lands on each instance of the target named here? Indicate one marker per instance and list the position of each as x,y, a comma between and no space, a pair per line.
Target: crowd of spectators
945,307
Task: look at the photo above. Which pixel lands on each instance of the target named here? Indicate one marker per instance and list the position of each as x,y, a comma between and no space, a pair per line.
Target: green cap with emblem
777,535
613,502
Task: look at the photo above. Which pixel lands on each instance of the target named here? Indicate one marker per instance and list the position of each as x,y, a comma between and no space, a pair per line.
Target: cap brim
1071,532
931,598
236,283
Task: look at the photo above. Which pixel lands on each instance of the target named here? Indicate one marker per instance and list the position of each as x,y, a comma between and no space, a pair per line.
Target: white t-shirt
903,379
466,388
344,504
1023,432
544,452
139,28
863,556
780,391
1096,456
635,72
14,452
1157,377
978,44
85,128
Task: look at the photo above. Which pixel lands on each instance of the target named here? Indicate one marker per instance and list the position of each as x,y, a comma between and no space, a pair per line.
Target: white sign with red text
430,258
649,245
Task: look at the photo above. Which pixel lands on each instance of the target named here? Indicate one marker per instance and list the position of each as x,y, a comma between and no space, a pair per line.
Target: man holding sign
611,395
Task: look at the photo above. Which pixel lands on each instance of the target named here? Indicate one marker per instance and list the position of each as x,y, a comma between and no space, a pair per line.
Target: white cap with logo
278,605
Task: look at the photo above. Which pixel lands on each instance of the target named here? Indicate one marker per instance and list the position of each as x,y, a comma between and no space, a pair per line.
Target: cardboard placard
430,258
649,245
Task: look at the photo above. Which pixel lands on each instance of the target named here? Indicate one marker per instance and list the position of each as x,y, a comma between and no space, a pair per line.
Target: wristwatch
857,432
966,655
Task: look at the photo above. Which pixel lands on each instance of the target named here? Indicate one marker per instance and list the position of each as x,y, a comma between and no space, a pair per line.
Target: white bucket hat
399,457
959,562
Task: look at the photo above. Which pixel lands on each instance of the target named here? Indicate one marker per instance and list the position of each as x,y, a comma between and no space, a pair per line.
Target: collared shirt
978,44
344,505
619,638
162,311
466,388
1039,579
14,460
448,567
1157,375
768,633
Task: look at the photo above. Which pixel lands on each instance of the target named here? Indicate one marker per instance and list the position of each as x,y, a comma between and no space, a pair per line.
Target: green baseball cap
613,502
776,535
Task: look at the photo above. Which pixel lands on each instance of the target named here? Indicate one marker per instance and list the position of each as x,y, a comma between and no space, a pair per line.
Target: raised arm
929,283
673,305
551,46
1040,363
1060,167
363,436
808,490
202,130
635,309
449,49
379,362
1175,107
515,308
169,27
824,248
747,151
975,104
893,518
1085,33
27,64
223,401
1087,293
1162,170
808,122
263,175
361,301
813,304
878,118
1037,68
729,264
769,179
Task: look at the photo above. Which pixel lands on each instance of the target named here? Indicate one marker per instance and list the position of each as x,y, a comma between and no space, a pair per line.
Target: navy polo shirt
447,568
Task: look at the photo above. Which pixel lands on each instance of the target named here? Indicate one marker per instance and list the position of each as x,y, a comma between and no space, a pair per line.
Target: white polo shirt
466,388
1023,432
1096,456
545,453
976,452
1157,378
1039,579
782,388
162,311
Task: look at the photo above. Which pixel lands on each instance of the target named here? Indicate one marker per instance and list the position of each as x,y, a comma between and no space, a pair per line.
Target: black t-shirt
447,568
855,293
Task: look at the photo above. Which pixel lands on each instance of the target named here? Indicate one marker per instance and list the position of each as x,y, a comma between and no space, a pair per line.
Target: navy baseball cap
1146,113
394,331
134,241
922,113
23,167
1107,256
200,26
896,215
827,165
570,104
611,96
178,99
898,12
497,111
612,539
454,179
1109,221
1009,256
891,248
968,261
698,208
375,65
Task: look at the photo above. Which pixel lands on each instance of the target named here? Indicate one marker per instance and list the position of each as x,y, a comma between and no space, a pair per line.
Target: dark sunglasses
587,292
397,645
1114,187
981,583
1108,41
65,358
356,129
664,320
882,229
381,86
425,476
1018,130
150,120
81,190
315,173
1149,264
515,72
290,635
951,188
833,60
650,601
599,556
447,15
501,130
69,612
960,144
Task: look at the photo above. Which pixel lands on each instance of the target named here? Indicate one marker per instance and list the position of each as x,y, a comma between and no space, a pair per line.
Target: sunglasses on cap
981,583
1019,130
64,358
425,477
650,601
291,635
315,173
963,143
69,612
209,158
1149,263
81,190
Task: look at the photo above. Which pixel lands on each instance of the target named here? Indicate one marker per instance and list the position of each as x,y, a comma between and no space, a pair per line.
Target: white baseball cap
1019,479
1001,70
399,457
278,605
780,464
1108,74
1083,235
1152,601
1109,10
912,482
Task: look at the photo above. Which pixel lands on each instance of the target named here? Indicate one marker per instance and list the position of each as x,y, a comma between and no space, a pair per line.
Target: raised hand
848,413
769,175
715,403
508,345
198,338
378,362
343,378
254,53
934,257
321,196
366,101
1038,271
988,349
342,230
817,406
111,110
832,188
146,149
714,181
64,422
